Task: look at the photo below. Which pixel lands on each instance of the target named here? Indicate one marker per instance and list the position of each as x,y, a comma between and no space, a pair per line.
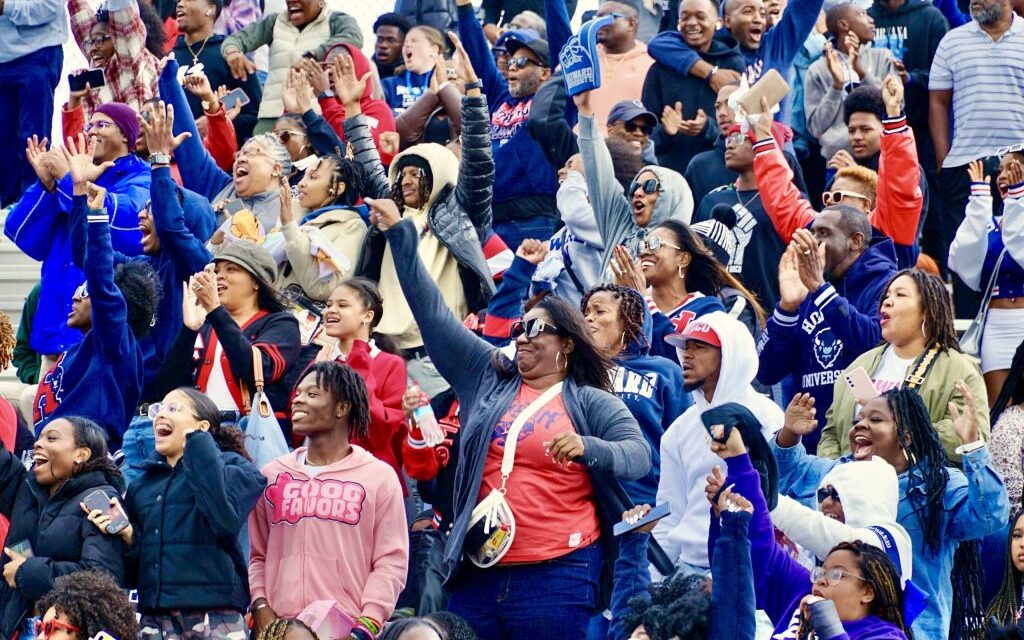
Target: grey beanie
277,151
251,257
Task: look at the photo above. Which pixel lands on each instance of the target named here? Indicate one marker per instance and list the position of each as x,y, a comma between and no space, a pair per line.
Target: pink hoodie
338,536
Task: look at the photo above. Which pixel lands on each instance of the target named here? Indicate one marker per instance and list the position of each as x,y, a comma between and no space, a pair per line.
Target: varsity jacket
897,205
982,238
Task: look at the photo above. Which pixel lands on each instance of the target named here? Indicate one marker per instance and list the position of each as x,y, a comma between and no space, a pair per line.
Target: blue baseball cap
628,110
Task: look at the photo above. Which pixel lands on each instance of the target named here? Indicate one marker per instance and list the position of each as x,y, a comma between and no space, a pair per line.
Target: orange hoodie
340,535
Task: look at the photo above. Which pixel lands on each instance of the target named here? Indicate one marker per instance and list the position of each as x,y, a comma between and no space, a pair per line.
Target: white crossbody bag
492,525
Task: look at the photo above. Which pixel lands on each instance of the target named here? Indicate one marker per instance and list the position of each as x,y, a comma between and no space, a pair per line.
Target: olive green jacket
937,392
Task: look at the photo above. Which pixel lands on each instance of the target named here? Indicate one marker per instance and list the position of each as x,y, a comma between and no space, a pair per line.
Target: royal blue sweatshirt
401,91
99,378
38,225
524,183
779,47
833,326
650,386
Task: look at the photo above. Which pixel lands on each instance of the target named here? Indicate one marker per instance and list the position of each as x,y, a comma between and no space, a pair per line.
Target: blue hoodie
832,327
38,225
100,377
650,386
779,47
974,504
524,183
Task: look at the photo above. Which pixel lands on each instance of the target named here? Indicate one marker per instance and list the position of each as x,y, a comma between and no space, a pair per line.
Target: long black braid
1007,603
1013,388
926,484
345,385
631,310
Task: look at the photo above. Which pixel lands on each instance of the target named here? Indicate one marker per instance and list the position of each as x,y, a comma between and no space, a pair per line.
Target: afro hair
93,602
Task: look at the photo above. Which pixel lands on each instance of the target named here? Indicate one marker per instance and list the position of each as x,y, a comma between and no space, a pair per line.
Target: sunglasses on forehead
531,328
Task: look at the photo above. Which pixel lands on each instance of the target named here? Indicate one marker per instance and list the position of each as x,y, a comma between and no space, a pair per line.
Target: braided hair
347,386
631,310
1013,388
879,572
277,629
936,306
93,602
8,341
1007,602
920,442
228,439
343,172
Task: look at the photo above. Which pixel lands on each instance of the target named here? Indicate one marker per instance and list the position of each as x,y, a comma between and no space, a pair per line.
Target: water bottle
427,422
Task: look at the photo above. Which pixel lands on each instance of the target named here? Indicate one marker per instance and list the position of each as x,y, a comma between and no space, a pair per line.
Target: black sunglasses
520,62
631,127
531,328
649,185
828,492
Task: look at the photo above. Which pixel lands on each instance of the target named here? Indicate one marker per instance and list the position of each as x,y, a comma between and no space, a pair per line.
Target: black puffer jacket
62,540
185,552
460,215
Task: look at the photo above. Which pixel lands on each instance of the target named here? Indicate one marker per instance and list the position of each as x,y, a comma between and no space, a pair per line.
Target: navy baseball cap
538,46
628,110
519,35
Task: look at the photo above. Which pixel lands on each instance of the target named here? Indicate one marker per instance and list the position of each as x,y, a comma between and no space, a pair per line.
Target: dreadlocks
936,307
277,629
7,341
347,386
1007,602
1013,388
920,442
426,186
631,310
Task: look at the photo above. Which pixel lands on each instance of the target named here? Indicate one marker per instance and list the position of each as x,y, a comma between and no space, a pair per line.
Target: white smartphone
861,385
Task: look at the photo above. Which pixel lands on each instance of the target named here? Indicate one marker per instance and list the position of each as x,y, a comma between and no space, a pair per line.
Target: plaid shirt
131,74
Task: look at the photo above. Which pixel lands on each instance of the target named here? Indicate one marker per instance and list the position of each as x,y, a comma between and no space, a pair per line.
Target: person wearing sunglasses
202,480
83,604
628,120
580,440
49,536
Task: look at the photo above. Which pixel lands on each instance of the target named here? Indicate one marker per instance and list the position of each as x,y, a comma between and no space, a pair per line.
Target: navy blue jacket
185,552
99,378
833,326
707,171
62,540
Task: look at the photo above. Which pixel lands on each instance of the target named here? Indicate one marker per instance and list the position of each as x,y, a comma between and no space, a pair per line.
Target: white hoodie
686,457
870,494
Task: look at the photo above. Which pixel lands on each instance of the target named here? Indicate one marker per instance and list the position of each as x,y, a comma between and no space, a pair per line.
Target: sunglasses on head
48,627
631,127
650,245
531,328
82,292
828,492
285,135
649,186
837,197
520,62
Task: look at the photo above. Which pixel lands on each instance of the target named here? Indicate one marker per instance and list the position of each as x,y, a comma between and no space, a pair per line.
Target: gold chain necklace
195,56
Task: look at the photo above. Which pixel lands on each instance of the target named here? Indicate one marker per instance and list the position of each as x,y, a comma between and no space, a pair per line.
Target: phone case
771,86
861,385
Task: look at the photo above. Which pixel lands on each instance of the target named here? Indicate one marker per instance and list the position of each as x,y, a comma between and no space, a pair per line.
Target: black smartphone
93,77
100,501
657,513
234,97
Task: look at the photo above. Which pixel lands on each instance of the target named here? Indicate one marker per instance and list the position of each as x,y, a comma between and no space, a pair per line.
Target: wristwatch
160,158
325,94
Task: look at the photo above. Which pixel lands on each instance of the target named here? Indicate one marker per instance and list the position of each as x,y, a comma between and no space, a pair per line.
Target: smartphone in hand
93,77
100,501
861,385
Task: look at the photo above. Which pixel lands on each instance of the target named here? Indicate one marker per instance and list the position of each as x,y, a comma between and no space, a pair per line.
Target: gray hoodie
612,208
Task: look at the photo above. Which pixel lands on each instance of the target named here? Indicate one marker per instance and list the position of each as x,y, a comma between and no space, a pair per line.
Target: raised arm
900,199
611,209
785,206
344,30
472,36
357,131
475,184
1013,217
970,244
83,17
128,31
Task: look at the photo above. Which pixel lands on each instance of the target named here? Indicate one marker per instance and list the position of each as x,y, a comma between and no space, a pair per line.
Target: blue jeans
551,600
138,444
26,109
513,232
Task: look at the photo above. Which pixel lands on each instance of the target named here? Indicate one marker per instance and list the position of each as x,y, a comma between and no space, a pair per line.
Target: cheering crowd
437,344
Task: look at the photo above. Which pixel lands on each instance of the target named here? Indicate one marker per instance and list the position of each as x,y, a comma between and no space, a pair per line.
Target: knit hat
735,416
126,119
717,234
251,257
277,151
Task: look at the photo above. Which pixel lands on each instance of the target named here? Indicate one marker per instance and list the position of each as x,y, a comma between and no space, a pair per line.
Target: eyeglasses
531,328
735,139
96,40
172,408
832,576
649,186
520,62
650,245
631,127
82,292
828,492
250,151
836,197
99,125
47,628
285,135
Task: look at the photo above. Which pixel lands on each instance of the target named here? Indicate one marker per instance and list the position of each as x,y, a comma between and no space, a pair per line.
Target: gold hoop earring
682,272
924,332
565,362
622,340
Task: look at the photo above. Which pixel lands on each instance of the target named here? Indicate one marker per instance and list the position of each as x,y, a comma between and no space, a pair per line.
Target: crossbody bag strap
257,374
983,309
921,368
508,459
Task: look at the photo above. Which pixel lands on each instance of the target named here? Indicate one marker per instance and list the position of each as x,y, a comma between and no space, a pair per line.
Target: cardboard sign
579,57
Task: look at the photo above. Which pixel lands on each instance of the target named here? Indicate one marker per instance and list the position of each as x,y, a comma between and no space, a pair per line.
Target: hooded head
422,170
670,198
738,357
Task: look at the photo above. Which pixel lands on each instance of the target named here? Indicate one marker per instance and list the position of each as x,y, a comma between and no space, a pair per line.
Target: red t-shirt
553,504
